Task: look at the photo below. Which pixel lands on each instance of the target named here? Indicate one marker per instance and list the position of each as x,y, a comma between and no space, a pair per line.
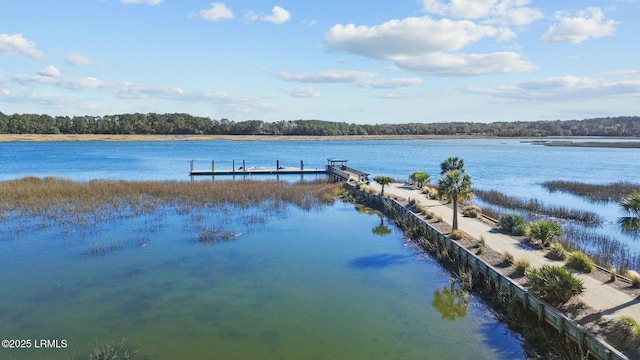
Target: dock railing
587,342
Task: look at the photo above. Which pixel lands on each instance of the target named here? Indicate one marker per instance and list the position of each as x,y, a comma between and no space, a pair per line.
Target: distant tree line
152,123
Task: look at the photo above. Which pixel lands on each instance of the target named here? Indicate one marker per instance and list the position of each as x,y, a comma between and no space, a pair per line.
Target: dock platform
336,168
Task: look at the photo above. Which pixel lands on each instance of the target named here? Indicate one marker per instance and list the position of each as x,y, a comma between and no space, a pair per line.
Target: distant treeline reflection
177,123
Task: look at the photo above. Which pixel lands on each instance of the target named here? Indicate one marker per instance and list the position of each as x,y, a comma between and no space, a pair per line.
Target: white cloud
16,44
76,59
443,64
150,2
278,16
506,12
302,92
218,11
329,76
424,45
361,79
50,71
410,36
566,88
587,24
393,83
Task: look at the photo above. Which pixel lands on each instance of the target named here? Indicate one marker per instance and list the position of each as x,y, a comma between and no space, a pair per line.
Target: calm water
304,285
316,284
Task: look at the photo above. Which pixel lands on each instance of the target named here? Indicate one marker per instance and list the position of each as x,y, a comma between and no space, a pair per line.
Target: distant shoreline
119,137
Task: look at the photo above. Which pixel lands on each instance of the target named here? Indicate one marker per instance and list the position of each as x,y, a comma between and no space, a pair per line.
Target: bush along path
600,306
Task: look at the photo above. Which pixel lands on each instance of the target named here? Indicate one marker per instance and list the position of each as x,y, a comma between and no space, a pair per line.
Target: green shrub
612,275
472,211
580,261
457,234
545,231
480,249
512,222
522,265
554,284
557,252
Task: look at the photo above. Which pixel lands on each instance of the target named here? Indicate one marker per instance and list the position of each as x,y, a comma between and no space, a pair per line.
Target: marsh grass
535,206
594,192
603,250
89,206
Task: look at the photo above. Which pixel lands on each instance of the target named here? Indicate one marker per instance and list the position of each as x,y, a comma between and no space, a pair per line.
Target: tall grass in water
535,206
594,192
604,250
88,205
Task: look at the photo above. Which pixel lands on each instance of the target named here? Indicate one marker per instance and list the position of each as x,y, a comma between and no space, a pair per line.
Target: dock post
277,165
213,165
244,167
191,165
301,165
233,165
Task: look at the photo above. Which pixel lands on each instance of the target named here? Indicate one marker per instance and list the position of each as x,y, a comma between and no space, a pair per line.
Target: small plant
472,211
612,275
627,330
634,277
522,265
580,261
457,235
513,224
545,231
112,351
480,249
482,241
554,284
507,258
557,252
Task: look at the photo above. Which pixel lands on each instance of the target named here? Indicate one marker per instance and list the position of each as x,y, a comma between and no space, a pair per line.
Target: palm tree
630,206
451,163
455,185
419,178
546,231
383,180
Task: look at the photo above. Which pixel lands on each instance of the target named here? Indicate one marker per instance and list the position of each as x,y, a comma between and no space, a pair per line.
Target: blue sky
355,61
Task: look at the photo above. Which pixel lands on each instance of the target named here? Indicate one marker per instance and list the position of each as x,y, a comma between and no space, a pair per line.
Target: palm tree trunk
455,213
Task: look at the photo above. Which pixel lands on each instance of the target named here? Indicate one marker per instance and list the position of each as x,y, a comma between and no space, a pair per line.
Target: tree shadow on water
378,261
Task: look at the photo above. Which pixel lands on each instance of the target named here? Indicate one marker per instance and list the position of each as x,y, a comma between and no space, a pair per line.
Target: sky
354,61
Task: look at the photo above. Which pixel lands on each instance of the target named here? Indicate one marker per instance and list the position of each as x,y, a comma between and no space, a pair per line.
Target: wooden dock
336,167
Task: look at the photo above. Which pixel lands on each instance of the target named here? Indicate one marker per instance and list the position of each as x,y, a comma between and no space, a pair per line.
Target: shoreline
120,137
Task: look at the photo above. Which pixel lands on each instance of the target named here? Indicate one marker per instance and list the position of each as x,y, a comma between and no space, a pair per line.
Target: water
314,284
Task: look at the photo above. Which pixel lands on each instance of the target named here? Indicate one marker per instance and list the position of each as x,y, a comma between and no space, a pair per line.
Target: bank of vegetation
72,206
180,123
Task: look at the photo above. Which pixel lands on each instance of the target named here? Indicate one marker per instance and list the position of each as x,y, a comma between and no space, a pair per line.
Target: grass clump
457,235
627,330
580,261
554,284
522,265
112,351
634,277
472,211
507,258
557,252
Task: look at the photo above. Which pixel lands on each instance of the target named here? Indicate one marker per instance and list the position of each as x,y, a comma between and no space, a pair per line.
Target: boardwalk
611,303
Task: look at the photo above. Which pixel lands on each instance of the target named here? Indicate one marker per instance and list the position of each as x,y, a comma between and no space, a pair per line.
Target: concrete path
609,301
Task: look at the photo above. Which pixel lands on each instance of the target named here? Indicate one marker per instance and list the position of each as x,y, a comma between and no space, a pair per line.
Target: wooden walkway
336,168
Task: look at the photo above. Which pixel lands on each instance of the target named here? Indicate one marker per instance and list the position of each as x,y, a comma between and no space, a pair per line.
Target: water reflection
451,303
378,261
